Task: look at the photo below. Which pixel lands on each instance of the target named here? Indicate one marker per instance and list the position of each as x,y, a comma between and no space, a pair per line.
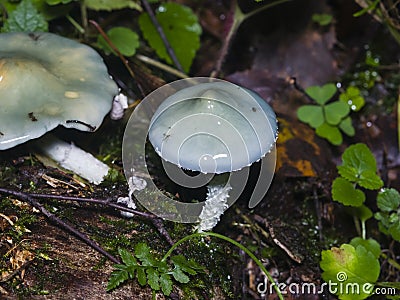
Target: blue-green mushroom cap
47,80
213,127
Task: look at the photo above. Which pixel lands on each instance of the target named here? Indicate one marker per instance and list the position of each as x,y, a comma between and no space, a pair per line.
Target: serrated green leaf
394,230
166,284
356,161
370,244
111,4
153,278
123,38
141,276
25,18
347,127
311,114
142,252
335,112
353,98
356,267
181,28
116,278
331,133
388,200
344,192
127,258
362,212
321,94
370,180
179,275
384,220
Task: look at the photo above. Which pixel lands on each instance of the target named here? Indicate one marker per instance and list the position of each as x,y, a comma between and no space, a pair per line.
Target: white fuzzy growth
135,184
120,103
129,203
215,205
75,159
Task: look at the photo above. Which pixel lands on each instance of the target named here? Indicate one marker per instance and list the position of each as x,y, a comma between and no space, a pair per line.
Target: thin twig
160,65
157,222
95,201
160,31
32,201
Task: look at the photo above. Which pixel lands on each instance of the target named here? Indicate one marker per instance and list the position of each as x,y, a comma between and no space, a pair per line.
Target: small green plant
158,274
355,266
358,169
322,19
352,96
388,202
126,41
366,75
350,265
328,118
147,269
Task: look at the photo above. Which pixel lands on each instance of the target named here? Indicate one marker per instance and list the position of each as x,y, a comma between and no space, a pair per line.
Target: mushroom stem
215,205
73,158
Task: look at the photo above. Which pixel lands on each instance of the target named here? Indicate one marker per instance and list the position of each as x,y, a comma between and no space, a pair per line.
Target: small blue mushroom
213,127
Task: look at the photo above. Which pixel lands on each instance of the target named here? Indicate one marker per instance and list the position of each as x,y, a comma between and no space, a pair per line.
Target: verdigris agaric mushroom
45,81
215,127
206,125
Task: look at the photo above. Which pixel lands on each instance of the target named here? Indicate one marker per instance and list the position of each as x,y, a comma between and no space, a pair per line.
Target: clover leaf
347,127
335,112
330,132
181,28
359,166
321,94
355,269
313,115
328,119
353,98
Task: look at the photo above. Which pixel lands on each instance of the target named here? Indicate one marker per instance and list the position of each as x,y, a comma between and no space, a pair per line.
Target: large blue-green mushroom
45,81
